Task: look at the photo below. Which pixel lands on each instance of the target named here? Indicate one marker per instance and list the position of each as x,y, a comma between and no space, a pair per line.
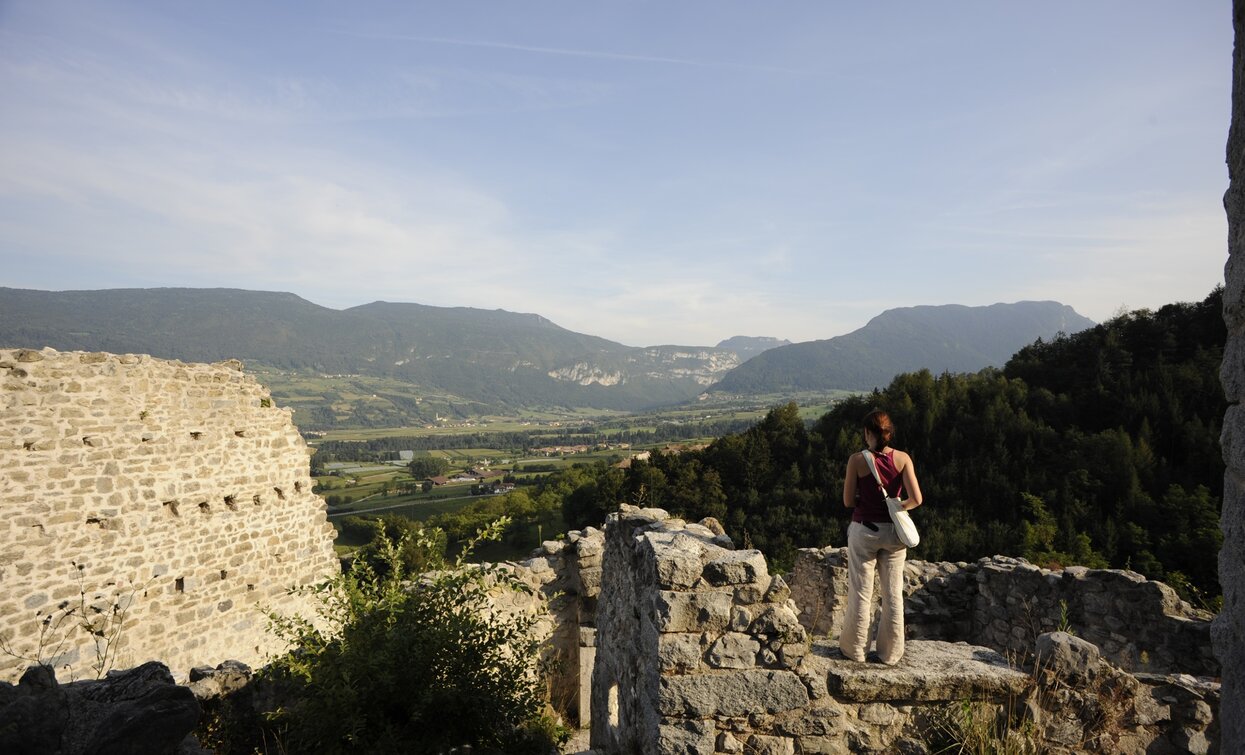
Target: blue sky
650,172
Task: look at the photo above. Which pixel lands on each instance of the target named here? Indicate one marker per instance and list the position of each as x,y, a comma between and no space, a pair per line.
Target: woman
871,540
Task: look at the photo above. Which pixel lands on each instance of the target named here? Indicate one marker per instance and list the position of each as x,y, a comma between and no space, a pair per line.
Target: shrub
411,668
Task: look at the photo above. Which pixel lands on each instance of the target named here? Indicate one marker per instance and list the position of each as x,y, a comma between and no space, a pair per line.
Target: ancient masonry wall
1229,629
699,649
1004,603
168,500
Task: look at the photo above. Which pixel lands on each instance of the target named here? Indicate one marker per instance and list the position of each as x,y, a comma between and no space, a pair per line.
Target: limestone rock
929,670
678,652
736,568
734,650
1067,657
765,745
687,738
692,612
737,693
208,683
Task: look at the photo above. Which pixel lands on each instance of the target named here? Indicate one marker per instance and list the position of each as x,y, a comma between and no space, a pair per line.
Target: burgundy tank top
870,505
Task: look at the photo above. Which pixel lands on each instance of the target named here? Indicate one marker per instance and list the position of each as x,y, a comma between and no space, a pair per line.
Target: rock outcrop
1230,625
140,710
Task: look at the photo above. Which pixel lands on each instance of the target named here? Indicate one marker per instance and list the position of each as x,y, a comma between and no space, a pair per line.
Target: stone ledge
931,671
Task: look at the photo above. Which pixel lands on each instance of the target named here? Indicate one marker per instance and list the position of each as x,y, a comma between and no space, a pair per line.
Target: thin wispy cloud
594,54
833,165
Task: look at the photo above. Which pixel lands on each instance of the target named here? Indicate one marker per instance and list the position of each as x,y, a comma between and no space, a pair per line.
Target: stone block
729,745
778,591
678,566
686,738
736,568
733,693
733,650
692,612
678,652
931,670
759,744
777,621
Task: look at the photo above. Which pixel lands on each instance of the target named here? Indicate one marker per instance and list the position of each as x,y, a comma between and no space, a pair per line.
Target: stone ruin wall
1229,630
1005,603
678,643
180,491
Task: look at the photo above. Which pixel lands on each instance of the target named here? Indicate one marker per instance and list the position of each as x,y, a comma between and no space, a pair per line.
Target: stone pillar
1227,631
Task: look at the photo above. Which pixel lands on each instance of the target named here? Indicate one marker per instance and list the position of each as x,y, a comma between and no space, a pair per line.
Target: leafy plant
1064,625
422,667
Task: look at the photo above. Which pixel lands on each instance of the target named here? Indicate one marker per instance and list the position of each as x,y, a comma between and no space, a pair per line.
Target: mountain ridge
940,338
488,361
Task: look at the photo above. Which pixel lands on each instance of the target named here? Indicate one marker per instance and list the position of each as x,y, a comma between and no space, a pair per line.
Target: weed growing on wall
100,615
395,666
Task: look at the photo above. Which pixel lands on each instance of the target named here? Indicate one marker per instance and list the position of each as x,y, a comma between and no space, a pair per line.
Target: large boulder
140,711
1067,656
33,713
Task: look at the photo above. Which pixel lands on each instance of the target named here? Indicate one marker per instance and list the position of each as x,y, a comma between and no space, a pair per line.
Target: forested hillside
1099,448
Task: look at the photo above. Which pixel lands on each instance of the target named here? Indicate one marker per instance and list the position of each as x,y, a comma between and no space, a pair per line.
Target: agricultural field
359,482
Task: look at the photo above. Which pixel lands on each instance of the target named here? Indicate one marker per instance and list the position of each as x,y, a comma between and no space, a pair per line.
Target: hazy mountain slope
492,357
190,324
943,338
749,346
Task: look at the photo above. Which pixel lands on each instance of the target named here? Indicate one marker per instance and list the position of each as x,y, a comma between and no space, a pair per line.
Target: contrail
584,53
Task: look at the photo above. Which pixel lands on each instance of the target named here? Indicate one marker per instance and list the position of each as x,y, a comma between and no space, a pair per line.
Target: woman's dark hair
879,423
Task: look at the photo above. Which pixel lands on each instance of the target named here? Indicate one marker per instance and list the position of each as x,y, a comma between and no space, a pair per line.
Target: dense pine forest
1100,449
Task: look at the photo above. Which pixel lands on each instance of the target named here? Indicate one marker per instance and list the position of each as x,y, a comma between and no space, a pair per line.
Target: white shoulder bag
905,528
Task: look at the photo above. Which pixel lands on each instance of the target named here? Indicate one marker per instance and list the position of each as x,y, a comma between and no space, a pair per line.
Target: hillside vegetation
1099,448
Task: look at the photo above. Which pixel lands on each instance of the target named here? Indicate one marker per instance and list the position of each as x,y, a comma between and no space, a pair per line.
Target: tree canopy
1099,448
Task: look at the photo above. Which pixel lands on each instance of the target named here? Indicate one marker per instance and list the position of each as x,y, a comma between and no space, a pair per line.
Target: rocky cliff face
1230,626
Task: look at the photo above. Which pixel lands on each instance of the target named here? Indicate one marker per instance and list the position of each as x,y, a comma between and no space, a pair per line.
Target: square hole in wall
170,508
179,584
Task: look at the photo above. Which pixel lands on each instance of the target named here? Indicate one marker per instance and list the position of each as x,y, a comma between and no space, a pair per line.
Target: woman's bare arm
849,483
910,485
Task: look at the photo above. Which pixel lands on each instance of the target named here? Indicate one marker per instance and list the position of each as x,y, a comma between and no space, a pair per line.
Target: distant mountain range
947,338
496,360
491,358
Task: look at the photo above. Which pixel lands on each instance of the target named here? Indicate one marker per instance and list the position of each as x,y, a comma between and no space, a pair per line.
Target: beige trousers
865,549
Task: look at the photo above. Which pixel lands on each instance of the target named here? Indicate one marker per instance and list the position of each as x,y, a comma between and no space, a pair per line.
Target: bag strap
877,477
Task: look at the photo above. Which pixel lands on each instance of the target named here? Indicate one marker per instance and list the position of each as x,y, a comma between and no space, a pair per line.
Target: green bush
420,668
